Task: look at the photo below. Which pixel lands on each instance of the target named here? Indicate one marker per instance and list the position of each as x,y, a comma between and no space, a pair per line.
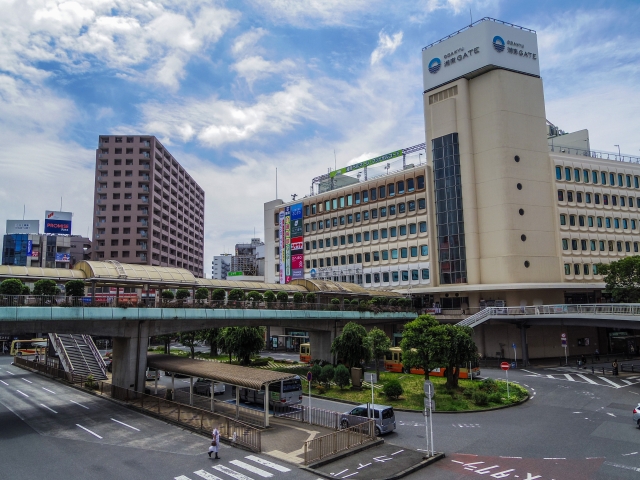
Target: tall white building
220,266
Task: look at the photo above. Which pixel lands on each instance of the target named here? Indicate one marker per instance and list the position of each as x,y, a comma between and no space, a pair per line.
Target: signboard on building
29,248
366,163
484,46
235,274
291,243
23,226
282,249
63,257
57,222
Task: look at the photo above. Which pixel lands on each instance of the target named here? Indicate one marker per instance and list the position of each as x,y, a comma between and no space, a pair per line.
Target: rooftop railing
594,154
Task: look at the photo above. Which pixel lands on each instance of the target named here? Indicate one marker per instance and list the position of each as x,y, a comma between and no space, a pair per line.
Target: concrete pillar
523,343
213,392
266,405
237,402
117,296
93,293
130,356
173,386
321,345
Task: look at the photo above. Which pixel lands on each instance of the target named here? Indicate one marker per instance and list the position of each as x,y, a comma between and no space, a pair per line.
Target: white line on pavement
610,414
251,468
609,381
626,467
72,401
399,451
528,371
555,458
510,457
122,423
351,475
182,477
22,393
231,473
592,382
627,454
10,372
200,473
569,377
48,408
267,463
28,381
50,391
87,430
627,382
5,383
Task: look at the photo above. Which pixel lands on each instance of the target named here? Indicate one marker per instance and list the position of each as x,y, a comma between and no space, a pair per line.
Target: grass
470,394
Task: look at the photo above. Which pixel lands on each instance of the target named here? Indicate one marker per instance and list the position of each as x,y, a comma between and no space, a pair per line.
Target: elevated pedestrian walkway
79,355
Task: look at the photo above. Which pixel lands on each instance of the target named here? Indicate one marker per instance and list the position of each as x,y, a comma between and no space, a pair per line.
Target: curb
311,467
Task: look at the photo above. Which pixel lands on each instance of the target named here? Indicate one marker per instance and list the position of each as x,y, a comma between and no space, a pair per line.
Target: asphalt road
48,430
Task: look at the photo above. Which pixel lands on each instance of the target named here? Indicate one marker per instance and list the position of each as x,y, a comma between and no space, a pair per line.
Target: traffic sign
428,388
370,377
513,345
563,335
309,376
504,366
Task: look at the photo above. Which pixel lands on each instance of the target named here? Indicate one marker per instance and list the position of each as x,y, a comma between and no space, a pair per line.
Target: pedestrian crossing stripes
255,465
600,380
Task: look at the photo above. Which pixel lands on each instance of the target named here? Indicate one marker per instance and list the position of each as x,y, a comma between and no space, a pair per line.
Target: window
628,181
627,246
595,268
608,222
603,178
410,186
586,176
412,229
622,202
414,252
391,189
385,277
314,245
350,259
349,200
576,174
335,241
373,194
366,236
567,269
574,244
581,220
394,253
313,209
425,274
625,224
341,199
385,254
411,205
365,215
306,227
393,232
322,262
565,244
558,172
358,237
358,258
374,213
620,181
579,197
334,203
561,195
400,186
605,199
358,217
614,200
321,243
405,276
576,269
594,177
423,227
587,197
341,219
563,219
313,226
343,240
601,245
392,209
394,276
334,221
612,179
422,204
567,174
365,196
597,198
401,208
403,230
583,244
610,244
633,224
307,246
306,210
383,212
374,234
327,223
367,278
590,221
403,253
343,259
414,275
619,246
569,196
420,181
376,256
635,247
593,245
381,191
383,233
327,205
572,220
350,218
376,278
636,182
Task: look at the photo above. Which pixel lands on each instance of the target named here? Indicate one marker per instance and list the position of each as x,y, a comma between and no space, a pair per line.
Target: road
48,430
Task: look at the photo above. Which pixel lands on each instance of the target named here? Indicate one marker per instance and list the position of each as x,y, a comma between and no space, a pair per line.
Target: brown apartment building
147,208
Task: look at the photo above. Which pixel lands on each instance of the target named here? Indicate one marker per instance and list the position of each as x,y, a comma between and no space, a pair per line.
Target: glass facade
452,257
14,249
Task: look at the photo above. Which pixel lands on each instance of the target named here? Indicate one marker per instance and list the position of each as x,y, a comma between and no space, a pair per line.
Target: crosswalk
250,465
588,378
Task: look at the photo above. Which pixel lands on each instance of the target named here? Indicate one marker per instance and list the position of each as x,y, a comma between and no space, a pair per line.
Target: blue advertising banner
57,222
63,257
29,248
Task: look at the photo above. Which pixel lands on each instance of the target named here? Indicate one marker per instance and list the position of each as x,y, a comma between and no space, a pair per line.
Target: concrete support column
156,381
237,402
173,386
93,293
213,392
266,405
321,345
117,296
130,356
523,343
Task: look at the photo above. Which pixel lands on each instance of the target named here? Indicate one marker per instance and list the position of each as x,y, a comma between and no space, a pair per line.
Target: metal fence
318,416
327,445
194,418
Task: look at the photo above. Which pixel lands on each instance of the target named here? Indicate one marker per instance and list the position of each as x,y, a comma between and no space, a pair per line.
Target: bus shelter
235,375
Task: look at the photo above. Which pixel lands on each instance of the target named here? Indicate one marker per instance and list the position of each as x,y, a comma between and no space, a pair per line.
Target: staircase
79,355
476,319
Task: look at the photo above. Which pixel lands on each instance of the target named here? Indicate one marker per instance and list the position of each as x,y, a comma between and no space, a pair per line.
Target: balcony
144,199
145,166
146,143
146,155
145,188
142,246
143,233
144,178
144,211
102,178
144,222
142,257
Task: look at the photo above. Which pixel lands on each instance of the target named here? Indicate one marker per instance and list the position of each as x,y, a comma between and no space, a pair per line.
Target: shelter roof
246,377
12,271
325,286
111,270
260,286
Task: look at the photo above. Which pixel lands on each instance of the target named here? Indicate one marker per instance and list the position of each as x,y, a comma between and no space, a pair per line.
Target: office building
220,266
249,258
148,209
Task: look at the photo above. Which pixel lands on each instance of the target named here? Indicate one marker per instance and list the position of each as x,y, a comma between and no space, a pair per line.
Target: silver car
385,418
203,387
636,415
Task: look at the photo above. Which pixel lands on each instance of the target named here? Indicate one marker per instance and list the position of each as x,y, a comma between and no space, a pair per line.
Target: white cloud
386,46
255,67
248,41
310,13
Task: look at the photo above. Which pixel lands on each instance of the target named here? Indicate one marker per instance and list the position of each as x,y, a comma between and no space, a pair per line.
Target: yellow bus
305,353
28,347
393,363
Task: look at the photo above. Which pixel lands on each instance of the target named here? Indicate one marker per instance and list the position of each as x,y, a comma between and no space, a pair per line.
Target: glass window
567,269
576,269
628,181
403,230
414,251
424,250
358,216
597,198
412,229
411,205
403,253
391,189
563,219
576,174
381,191
601,245
569,196
595,268
350,238
594,177
422,204
334,221
425,274
567,174
423,227
558,172
612,179
627,246
394,253
358,258
350,218
374,213
420,180
593,245
605,199
306,210
400,186
574,244
376,278
373,194
385,277
587,197
394,276
599,222
356,198
343,240
365,196
367,278
565,244
365,215
625,223
579,197
385,254
394,232
327,224
334,203
586,176
401,208
392,209
583,244
414,275
635,247
636,182
341,202
376,256
321,243
366,236
314,245
620,180
405,276
561,195
622,201
313,226
358,237
607,222
603,178
410,186
619,246
590,221
616,223
374,234
335,241
586,269
349,200
341,219
614,200
383,212
581,220
383,233
633,224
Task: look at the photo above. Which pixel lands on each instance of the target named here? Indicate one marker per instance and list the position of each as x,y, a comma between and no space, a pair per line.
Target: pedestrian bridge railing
336,442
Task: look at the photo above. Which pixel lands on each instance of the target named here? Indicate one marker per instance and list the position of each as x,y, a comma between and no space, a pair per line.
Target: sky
237,89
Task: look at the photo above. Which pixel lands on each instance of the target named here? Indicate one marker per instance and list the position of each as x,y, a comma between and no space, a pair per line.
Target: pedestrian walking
597,354
215,442
614,365
584,361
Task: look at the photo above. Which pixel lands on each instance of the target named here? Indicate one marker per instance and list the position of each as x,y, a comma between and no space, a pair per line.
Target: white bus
285,392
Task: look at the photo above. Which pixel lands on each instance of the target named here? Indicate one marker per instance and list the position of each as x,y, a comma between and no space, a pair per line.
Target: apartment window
619,246
350,218
403,230
583,244
321,243
590,221
365,215
313,226
334,203
603,178
117,173
341,202
128,184
403,253
306,227
614,200
576,269
367,257
561,195
365,196
358,217
601,245
567,269
115,231
314,263
335,241
627,246
411,188
401,208
392,210
595,268
366,236
327,205
414,252
391,189
420,181
376,278
306,210
385,277
597,198
373,194
422,204
628,181
343,240
374,234
349,239
115,219
405,276
383,233
574,244
383,212
358,237
565,244
412,229
116,184
356,198
367,278
394,253
612,179
605,199
625,224
585,269
394,232
558,172
576,174
307,246
385,254
411,205
343,259
314,245
594,177
327,223
358,258
586,176
374,213
381,191
394,276
587,197
567,174
350,259
620,181
610,244
622,201
607,222
400,186
423,227
334,221
593,245
581,220
579,197
572,220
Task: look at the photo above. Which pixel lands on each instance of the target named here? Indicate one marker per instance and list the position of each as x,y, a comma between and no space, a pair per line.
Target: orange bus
393,363
305,353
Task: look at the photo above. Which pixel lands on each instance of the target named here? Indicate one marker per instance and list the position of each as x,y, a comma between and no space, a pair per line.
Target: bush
74,288
167,295
335,301
316,371
254,296
218,294
11,286
269,296
495,397
488,385
236,294
392,389
283,297
327,373
25,290
298,297
311,297
260,362
202,293
182,294
341,376
321,389
480,398
393,302
45,287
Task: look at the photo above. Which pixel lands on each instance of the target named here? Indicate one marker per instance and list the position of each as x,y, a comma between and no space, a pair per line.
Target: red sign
297,261
504,366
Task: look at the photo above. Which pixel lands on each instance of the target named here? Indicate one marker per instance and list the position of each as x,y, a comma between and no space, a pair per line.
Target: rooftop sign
484,46
366,163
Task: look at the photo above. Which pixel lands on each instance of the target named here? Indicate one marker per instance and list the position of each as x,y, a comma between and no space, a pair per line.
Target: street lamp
618,150
419,159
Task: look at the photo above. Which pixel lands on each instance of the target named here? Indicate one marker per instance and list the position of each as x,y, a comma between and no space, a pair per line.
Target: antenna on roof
471,17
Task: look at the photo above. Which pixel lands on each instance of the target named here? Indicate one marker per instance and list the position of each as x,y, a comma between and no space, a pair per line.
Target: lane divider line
126,425
48,408
28,381
584,377
87,430
50,391
72,401
22,393
4,383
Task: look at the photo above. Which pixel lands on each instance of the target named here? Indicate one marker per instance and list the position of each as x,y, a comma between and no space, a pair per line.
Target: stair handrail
476,318
62,353
96,353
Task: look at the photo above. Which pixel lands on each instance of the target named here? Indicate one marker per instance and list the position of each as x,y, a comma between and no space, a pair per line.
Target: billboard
366,163
484,46
57,222
23,226
63,257
291,243
281,218
29,248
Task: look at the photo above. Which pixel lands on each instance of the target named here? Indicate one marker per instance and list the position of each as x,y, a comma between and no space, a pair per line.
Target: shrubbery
341,376
392,389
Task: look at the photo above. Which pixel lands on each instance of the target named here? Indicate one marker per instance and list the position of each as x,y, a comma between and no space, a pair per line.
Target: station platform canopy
325,286
244,377
37,273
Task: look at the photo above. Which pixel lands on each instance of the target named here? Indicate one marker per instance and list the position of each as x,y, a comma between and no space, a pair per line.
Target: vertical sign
282,249
297,243
287,244
29,248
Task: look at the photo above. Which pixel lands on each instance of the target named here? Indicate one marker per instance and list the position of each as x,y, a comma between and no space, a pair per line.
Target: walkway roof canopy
12,271
127,272
245,377
340,288
259,286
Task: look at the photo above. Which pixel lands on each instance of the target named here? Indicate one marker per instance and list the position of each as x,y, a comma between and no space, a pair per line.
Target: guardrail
193,418
245,414
317,416
332,443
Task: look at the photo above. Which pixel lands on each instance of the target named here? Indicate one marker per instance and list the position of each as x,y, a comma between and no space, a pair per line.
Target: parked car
202,386
385,418
178,375
636,415
150,374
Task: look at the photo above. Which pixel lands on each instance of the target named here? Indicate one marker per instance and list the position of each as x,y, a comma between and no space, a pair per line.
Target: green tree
202,294
188,339
341,376
182,294
380,345
225,341
269,297
456,349
352,346
417,345
310,297
167,295
218,295
11,286
74,288
25,290
283,297
254,296
316,373
298,297
47,288
326,374
236,294
166,342
211,336
392,389
622,279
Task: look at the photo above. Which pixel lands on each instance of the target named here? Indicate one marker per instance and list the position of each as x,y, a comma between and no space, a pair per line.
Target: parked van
384,416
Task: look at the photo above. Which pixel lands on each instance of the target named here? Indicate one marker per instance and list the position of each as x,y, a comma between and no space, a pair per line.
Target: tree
236,294
298,298
283,297
269,297
166,342
182,294
225,342
454,348
243,342
218,295
47,288
188,339
11,286
316,373
380,345
167,295
310,297
622,279
254,297
202,294
352,346
392,389
326,374
74,288
211,336
25,290
341,376
417,345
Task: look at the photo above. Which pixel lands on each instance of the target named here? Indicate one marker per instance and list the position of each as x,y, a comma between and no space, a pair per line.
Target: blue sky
236,89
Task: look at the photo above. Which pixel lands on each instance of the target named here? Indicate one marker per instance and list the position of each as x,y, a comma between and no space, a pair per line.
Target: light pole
618,150
419,159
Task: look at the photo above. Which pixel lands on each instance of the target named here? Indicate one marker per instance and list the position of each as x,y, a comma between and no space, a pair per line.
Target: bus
28,347
393,363
305,353
284,392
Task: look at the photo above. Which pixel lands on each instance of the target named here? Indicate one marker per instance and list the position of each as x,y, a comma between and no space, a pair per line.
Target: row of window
600,222
599,245
397,276
603,178
392,232
581,269
365,215
586,197
383,191
368,256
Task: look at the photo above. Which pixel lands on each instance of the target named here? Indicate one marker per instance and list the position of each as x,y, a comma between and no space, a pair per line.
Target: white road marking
200,473
251,468
626,467
5,383
555,458
584,377
511,457
28,381
367,464
633,378
610,414
609,381
87,430
231,473
529,371
551,376
577,412
50,391
351,475
126,425
72,401
22,393
627,454
48,408
340,473
399,451
267,463
10,372
627,382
